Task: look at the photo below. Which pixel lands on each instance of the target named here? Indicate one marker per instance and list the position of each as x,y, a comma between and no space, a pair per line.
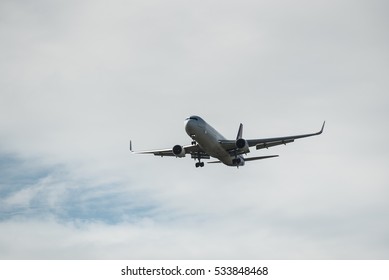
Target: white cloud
78,79
236,238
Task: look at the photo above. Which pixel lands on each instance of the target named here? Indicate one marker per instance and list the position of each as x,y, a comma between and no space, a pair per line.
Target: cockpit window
193,118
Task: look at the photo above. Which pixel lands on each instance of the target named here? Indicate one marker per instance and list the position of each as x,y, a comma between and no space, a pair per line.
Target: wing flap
272,144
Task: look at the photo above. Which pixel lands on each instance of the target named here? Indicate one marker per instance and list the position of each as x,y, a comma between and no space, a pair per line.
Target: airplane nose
186,123
189,126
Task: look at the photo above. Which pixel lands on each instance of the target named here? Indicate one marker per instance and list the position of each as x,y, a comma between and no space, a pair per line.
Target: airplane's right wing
176,151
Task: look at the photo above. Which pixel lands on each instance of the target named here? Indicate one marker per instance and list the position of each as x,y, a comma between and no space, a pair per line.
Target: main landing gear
199,155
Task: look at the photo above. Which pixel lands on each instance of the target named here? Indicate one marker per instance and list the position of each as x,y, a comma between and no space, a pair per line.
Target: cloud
78,79
48,239
188,220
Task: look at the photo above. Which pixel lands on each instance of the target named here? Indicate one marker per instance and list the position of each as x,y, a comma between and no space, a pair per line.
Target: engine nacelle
239,161
242,144
179,151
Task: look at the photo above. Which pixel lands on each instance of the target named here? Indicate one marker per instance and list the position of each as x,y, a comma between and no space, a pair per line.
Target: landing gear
199,155
200,163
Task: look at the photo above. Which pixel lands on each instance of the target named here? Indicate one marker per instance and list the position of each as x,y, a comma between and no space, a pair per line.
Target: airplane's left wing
270,142
231,145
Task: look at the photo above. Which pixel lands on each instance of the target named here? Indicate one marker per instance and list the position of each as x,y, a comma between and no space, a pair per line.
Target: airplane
207,143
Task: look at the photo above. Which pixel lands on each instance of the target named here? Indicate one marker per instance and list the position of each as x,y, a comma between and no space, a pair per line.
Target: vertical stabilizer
240,132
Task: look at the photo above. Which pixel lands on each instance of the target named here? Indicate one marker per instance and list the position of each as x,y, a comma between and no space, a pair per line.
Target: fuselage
208,139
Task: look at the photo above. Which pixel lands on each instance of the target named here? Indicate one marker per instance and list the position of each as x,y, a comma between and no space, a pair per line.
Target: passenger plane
207,143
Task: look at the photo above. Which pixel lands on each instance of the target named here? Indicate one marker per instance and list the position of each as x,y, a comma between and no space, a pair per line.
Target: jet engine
239,161
242,144
179,151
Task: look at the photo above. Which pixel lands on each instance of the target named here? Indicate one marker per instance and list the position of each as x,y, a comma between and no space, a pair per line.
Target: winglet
131,147
322,128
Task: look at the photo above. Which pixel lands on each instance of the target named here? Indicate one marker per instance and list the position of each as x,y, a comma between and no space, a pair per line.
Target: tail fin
240,132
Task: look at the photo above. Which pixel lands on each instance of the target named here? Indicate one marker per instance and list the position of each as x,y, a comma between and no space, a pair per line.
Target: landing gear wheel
199,164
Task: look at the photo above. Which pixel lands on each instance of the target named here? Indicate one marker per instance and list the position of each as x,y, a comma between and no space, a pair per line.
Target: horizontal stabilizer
248,159
258,158
217,161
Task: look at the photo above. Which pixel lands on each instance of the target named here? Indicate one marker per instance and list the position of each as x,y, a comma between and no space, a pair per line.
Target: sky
79,79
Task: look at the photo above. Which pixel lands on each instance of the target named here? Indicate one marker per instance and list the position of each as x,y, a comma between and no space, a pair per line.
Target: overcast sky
78,79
